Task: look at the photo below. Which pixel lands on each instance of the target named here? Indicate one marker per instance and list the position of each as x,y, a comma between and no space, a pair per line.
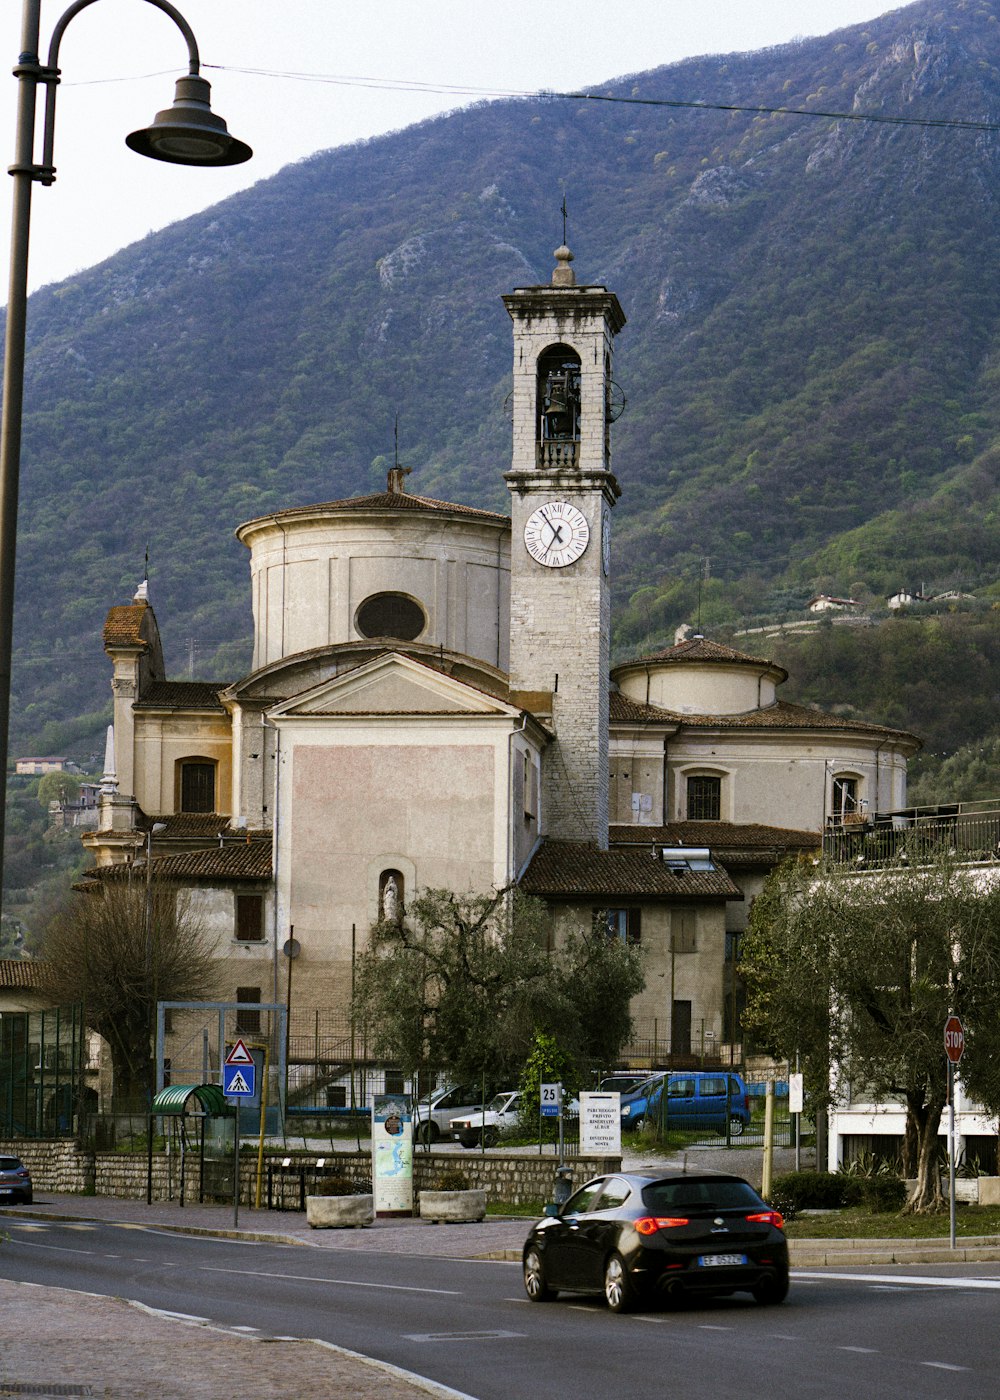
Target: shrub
336,1186
882,1194
453,1180
798,1191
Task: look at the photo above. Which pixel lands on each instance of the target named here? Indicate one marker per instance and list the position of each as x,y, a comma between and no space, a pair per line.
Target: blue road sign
239,1081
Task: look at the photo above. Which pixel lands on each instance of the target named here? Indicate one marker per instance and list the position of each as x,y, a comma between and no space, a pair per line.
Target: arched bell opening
557,416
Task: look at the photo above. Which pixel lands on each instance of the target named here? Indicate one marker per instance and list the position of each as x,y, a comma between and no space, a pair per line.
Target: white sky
119,60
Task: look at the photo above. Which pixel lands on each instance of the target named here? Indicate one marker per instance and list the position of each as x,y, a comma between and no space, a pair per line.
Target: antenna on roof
563,211
701,579
397,475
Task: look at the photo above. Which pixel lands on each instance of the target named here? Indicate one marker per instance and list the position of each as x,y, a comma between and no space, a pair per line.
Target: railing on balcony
968,830
559,453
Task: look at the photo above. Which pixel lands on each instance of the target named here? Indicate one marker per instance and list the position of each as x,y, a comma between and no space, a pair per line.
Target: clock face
556,534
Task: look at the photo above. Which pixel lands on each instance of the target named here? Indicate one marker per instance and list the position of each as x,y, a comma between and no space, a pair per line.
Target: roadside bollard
562,1188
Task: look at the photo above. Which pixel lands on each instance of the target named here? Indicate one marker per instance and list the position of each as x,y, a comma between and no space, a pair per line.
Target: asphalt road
897,1334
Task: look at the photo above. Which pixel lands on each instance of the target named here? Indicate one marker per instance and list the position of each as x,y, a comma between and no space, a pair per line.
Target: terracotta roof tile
781,715
578,868
702,649
218,864
182,695
386,500
21,973
737,845
122,625
624,709
201,826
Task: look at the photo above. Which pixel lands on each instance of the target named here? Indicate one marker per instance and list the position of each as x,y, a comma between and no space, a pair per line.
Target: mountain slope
810,361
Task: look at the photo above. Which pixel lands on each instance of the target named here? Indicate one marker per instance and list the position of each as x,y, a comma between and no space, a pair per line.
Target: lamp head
189,132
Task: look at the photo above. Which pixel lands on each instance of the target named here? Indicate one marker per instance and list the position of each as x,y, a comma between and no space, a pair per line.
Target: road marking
943,1366
901,1282
862,1351
347,1282
712,1327
463,1336
177,1316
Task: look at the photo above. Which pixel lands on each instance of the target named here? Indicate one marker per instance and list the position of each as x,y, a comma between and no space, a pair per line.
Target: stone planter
339,1212
452,1207
989,1190
966,1189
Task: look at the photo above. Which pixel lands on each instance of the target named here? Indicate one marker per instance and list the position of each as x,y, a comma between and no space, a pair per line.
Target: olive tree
857,972
466,981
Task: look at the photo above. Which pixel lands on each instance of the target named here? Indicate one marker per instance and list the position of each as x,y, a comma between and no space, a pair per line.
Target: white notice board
601,1123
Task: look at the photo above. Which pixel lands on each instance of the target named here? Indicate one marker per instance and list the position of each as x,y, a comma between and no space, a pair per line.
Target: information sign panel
601,1123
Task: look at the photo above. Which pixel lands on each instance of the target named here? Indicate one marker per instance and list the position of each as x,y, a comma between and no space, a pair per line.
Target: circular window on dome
391,615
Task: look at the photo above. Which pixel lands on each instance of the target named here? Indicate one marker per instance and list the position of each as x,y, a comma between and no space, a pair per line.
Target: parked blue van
696,1100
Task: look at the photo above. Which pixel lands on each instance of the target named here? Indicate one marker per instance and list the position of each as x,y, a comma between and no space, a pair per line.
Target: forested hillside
811,364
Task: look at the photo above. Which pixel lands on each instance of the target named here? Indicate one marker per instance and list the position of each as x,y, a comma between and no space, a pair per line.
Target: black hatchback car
639,1238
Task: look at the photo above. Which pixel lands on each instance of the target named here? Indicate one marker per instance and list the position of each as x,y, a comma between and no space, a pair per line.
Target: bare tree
120,949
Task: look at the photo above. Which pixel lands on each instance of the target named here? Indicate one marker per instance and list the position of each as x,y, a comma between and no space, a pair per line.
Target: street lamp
186,133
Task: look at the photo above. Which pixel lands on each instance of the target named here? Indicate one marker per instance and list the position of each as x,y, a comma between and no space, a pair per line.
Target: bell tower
562,493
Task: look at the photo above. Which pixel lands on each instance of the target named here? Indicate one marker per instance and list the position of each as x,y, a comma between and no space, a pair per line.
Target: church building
431,705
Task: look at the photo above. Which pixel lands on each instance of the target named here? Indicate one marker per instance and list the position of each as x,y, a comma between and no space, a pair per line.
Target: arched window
391,615
846,806
557,398
196,785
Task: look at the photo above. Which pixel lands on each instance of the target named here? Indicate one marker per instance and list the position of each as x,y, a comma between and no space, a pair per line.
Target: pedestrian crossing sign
239,1081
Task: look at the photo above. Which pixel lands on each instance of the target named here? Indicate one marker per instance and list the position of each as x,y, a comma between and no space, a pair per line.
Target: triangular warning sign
238,1085
239,1055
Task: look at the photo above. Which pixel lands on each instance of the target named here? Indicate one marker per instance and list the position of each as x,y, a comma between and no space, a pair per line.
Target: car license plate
721,1261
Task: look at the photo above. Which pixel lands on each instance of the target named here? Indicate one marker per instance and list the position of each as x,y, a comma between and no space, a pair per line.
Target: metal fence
41,1072
969,831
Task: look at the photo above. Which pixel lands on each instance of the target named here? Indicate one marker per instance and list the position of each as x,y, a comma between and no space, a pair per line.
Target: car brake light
768,1217
649,1224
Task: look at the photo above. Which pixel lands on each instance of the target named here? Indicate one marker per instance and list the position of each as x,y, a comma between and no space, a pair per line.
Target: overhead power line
693,104
462,90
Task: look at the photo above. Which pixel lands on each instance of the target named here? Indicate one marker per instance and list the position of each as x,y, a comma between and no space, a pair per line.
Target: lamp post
156,829
186,133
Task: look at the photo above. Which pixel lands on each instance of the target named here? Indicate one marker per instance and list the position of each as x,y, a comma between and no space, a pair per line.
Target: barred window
704,799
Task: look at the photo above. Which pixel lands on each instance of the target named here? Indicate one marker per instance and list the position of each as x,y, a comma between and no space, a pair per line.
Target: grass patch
531,1210
862,1225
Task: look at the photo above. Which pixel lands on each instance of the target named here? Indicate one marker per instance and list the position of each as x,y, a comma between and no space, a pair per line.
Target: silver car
15,1181
433,1120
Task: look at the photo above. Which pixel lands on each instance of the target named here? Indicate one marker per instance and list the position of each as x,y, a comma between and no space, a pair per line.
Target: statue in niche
391,904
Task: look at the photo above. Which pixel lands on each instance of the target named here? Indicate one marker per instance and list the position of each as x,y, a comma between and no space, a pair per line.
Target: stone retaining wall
64,1166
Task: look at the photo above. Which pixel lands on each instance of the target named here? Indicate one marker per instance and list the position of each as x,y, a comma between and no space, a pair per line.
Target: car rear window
9,1164
700,1193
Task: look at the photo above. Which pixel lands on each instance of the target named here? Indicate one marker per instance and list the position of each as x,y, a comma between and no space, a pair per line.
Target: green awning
209,1099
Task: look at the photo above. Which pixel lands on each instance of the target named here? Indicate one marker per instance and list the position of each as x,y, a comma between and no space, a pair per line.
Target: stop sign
954,1039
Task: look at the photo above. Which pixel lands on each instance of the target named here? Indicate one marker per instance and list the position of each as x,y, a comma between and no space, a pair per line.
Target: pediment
392,684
